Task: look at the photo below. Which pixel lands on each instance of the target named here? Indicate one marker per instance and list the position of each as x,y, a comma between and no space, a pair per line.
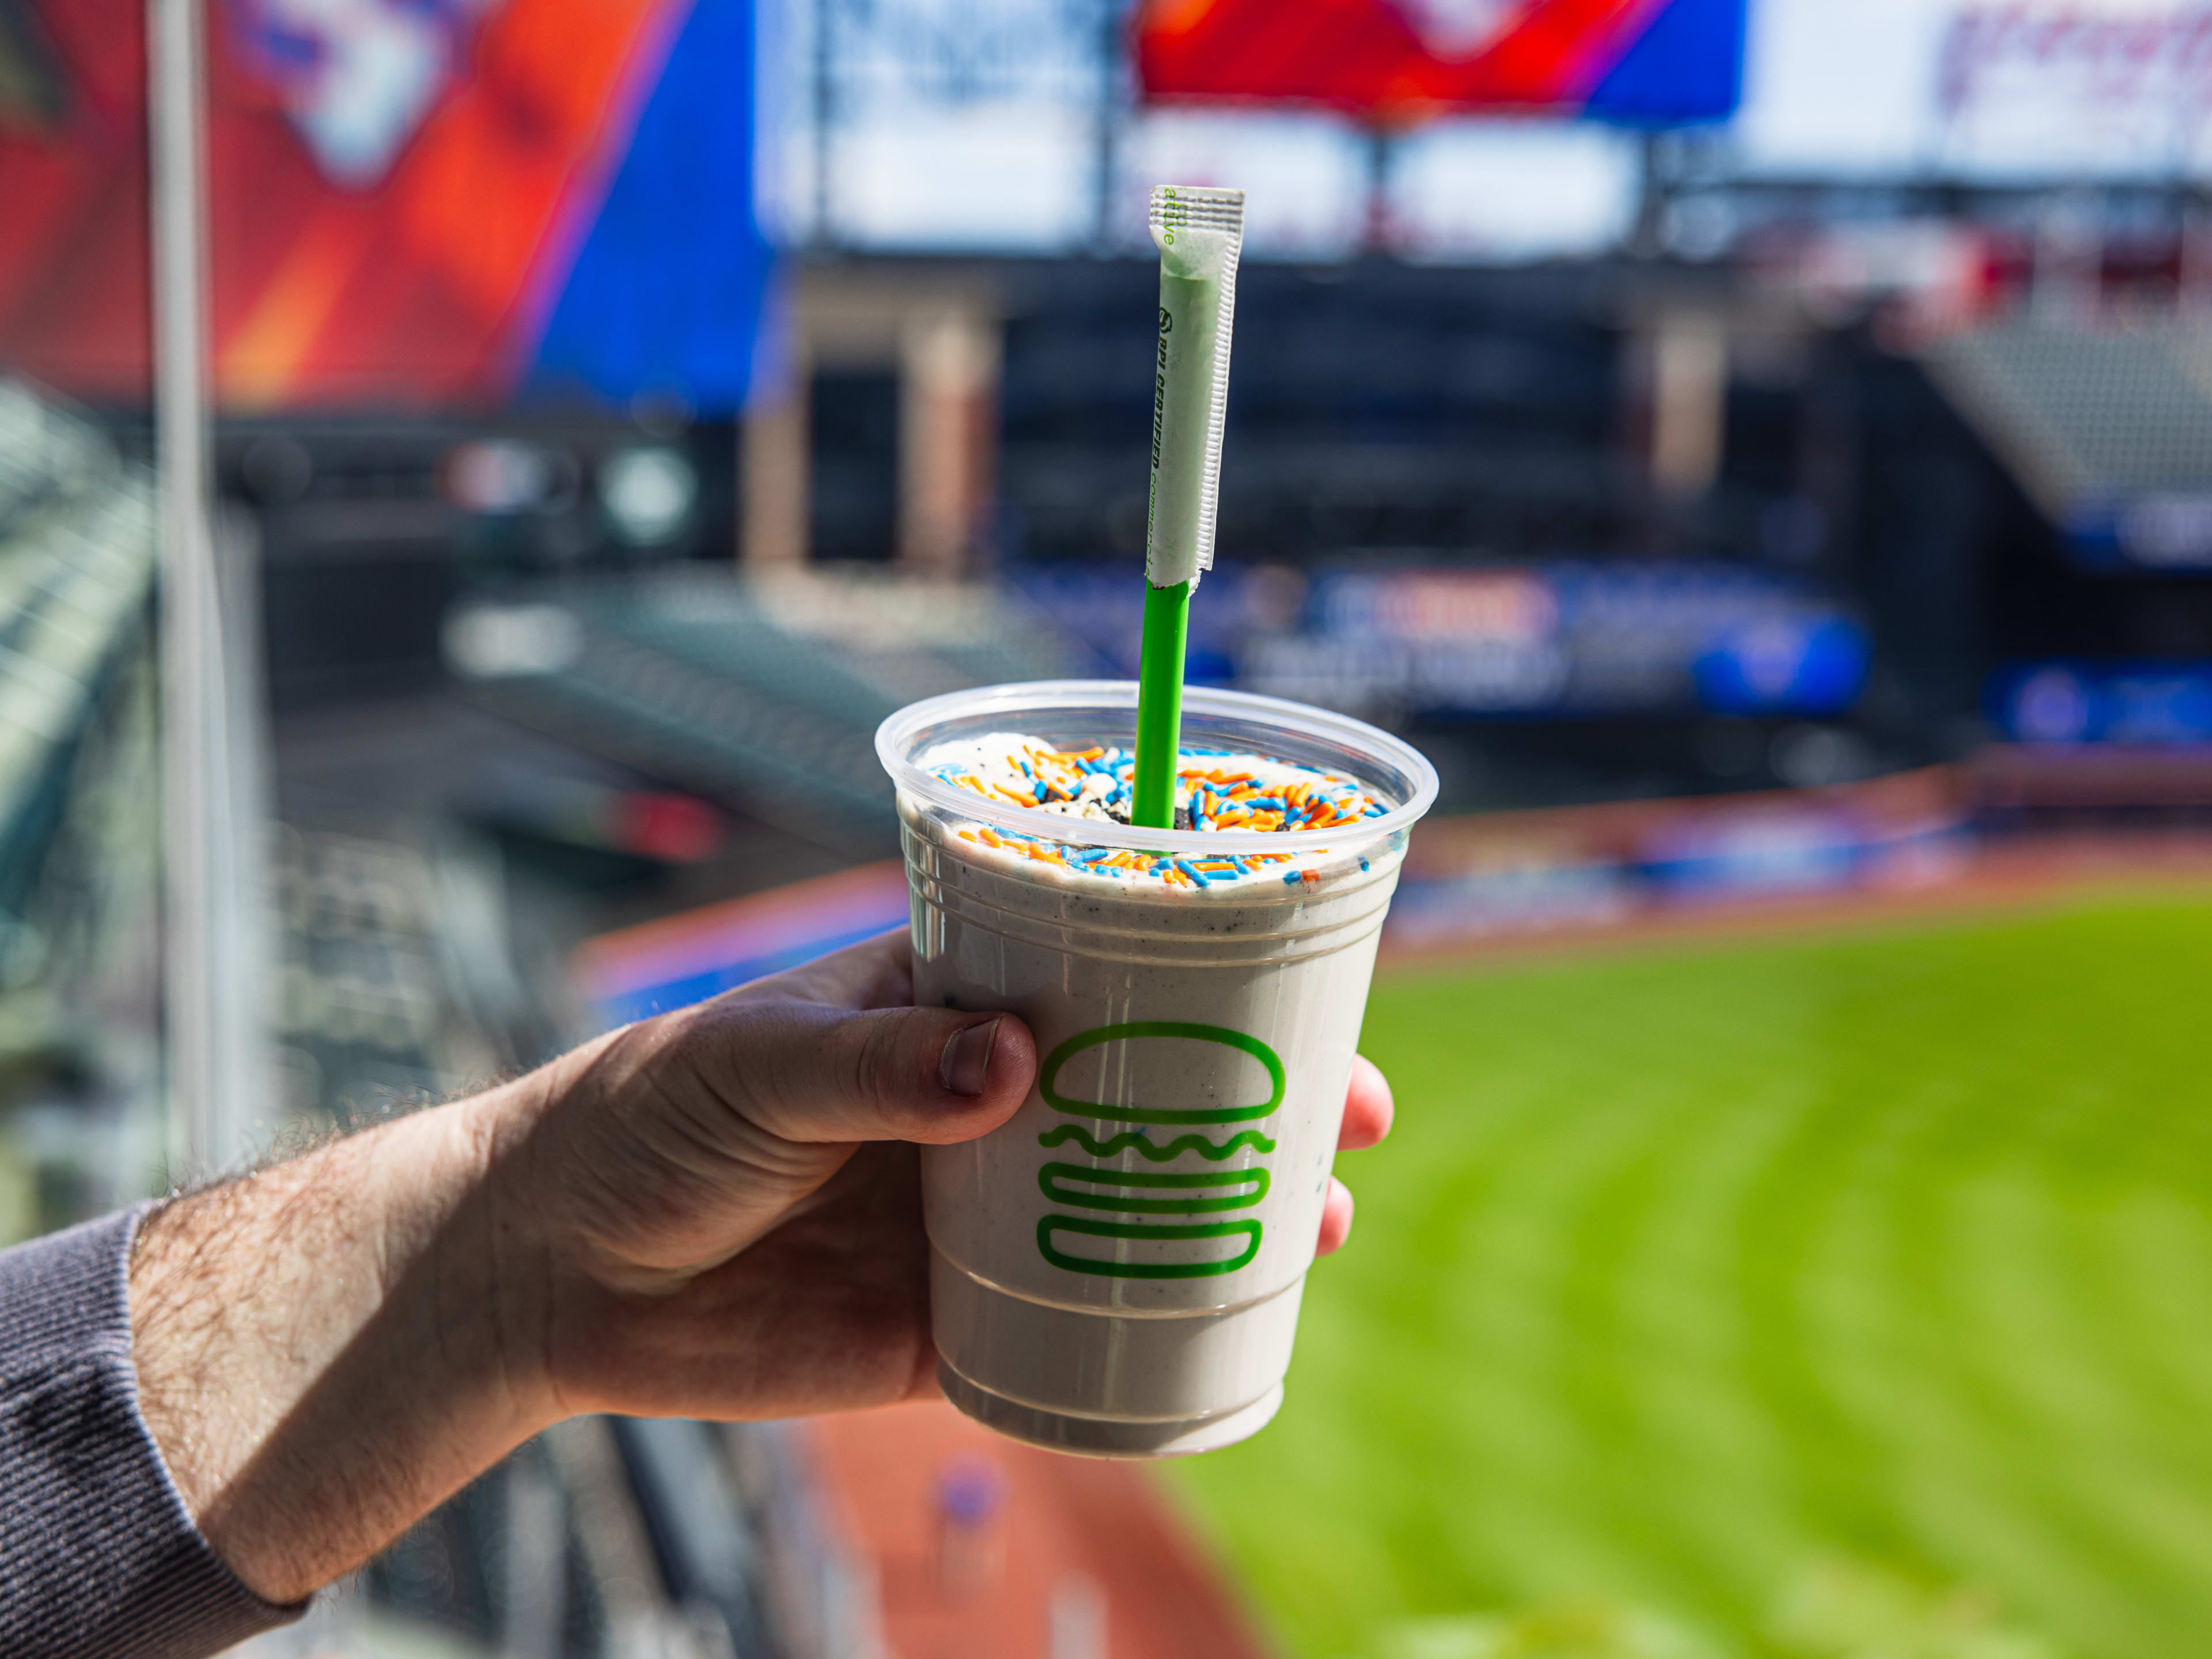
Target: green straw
1201,234
1159,705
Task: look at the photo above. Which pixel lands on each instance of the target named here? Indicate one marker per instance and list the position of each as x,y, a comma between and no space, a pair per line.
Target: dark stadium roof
2093,423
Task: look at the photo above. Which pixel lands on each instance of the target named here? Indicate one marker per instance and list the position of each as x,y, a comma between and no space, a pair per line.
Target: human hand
712,1213
734,1202
728,1197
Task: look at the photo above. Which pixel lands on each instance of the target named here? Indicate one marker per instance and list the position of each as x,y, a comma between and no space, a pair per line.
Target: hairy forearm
327,1348
703,1214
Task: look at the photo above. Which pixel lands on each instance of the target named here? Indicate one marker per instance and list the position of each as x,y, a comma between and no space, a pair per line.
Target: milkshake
1116,1270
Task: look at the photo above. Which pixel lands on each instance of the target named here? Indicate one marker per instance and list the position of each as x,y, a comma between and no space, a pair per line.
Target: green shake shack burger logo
1164,1075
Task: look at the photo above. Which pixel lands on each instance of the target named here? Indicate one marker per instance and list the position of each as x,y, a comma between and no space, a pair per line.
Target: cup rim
895,736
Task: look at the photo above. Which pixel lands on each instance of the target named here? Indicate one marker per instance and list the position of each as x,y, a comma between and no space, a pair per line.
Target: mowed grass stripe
1650,1245
1805,1192
2152,1258
2009,1131
1685,1271
2021,1279
2162,1426
2122,1533
1504,1417
1978,1491
1610,1420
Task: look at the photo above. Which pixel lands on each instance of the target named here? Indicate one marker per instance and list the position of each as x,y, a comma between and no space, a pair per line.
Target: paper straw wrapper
1200,234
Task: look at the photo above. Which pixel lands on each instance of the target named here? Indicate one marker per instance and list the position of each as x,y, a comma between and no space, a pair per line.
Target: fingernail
967,1060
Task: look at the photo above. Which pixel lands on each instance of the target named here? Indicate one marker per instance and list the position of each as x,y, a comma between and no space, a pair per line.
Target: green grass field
1841,1296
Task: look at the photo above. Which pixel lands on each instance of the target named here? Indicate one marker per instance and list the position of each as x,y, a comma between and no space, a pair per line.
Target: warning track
1107,1522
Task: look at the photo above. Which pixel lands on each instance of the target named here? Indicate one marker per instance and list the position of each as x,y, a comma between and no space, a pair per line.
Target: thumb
806,1072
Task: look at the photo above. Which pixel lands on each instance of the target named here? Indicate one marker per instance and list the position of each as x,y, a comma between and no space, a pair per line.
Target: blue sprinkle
1198,876
1291,880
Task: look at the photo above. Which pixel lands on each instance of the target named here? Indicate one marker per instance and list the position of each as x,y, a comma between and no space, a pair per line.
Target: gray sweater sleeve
98,1555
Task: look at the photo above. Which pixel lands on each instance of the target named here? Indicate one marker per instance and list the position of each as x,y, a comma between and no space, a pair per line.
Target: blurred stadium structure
1764,453
78,986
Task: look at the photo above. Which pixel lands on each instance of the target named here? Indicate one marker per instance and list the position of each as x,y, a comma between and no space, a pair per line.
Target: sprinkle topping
1215,790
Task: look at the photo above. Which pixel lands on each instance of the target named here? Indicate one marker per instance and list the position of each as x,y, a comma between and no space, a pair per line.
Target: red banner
376,239
1395,61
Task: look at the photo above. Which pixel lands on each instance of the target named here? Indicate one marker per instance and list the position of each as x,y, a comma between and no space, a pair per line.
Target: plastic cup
1116,1270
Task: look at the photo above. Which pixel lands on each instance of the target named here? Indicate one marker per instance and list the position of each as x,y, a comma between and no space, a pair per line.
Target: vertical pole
825,111
1689,401
1110,36
1647,238
1376,234
775,487
947,434
208,1011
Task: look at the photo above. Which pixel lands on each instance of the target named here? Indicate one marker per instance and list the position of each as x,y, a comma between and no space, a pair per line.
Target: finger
1368,1108
1335,1219
808,1073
